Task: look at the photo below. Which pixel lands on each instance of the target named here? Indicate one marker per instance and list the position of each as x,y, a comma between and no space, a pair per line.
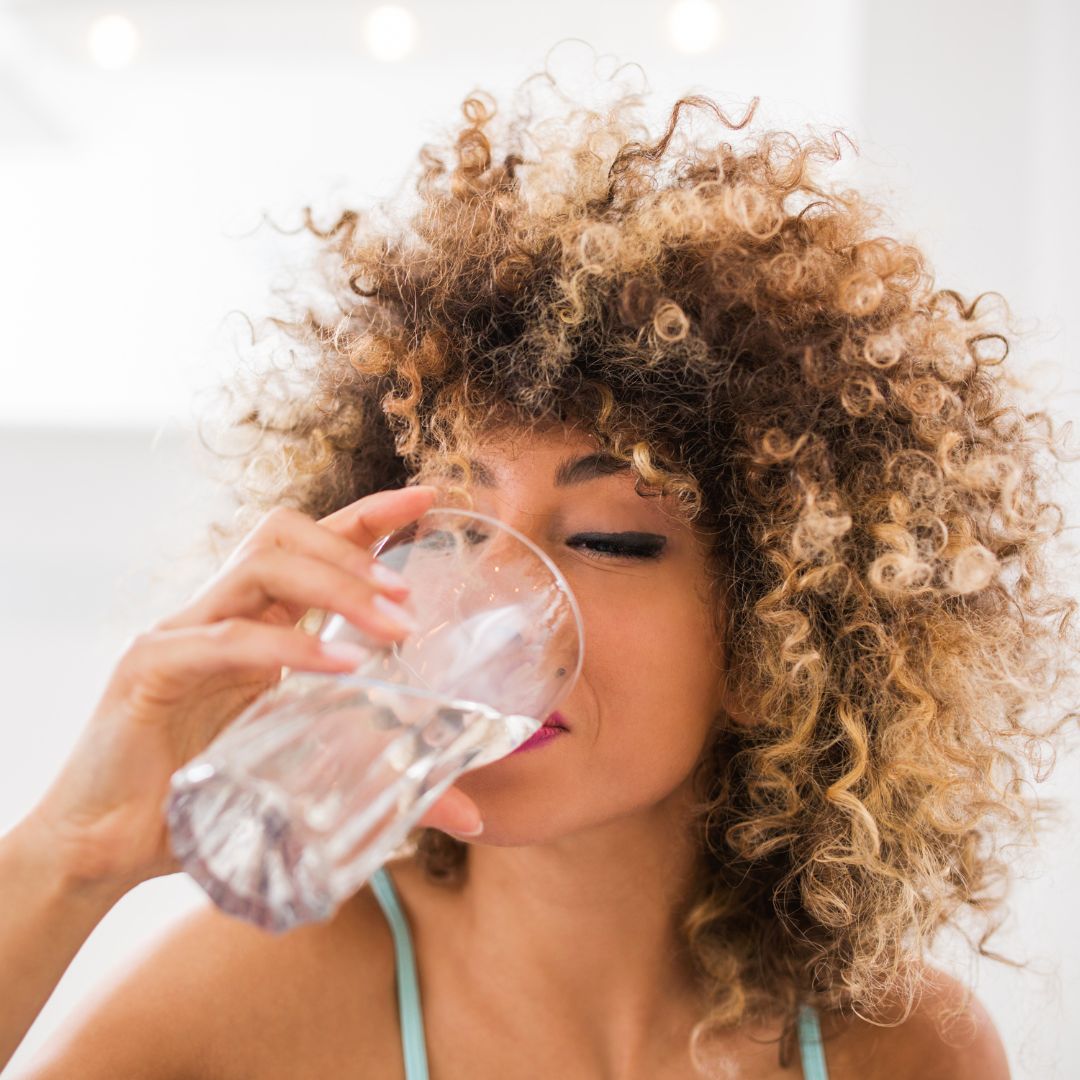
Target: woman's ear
733,707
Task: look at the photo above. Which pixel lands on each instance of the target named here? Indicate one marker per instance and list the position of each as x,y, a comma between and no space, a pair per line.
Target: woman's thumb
455,813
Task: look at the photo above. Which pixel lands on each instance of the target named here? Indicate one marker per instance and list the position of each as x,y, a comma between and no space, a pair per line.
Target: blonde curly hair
840,430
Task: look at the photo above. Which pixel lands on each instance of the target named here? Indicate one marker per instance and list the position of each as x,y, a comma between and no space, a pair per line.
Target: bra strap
413,1044
811,1049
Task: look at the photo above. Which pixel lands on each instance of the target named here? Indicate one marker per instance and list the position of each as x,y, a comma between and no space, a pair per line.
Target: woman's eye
621,545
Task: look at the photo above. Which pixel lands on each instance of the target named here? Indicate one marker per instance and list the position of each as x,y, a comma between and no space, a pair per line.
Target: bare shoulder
218,997
943,1038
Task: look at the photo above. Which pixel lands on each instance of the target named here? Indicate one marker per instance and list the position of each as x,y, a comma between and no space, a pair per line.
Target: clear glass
309,791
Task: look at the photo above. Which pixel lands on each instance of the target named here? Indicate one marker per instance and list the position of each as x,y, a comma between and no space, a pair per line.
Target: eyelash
616,548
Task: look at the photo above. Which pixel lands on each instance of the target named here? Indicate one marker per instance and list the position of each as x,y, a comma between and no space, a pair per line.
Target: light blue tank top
412,1020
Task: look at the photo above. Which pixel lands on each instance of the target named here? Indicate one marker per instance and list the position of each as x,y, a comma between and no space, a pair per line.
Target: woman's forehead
510,440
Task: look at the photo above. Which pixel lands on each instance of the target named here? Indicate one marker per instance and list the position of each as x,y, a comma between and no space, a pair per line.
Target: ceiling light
694,26
390,32
112,41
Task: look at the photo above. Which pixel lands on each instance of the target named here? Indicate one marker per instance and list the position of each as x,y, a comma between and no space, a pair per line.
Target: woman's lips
554,726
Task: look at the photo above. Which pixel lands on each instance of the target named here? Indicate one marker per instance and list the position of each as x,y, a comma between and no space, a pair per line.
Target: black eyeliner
639,545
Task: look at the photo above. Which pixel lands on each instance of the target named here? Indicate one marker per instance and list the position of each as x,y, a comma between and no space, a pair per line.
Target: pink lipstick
554,726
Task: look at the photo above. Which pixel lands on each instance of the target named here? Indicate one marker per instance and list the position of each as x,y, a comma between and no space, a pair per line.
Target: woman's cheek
640,686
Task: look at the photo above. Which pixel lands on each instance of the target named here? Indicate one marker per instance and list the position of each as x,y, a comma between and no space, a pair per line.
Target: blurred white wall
126,193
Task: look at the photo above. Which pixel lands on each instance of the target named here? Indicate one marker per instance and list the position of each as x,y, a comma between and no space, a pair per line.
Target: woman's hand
179,683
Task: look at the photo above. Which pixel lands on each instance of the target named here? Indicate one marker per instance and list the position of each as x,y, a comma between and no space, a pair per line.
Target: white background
130,198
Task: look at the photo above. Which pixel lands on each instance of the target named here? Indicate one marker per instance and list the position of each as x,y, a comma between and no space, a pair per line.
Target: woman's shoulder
217,996
930,1044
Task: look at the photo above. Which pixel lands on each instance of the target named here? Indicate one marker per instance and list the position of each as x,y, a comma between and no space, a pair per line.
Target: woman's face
649,687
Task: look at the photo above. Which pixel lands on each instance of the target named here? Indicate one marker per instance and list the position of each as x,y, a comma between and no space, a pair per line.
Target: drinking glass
311,789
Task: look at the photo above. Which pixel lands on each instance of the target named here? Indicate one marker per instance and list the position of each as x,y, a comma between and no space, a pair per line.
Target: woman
782,477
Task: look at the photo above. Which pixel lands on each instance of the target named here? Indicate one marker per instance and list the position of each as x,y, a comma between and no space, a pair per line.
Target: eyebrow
568,473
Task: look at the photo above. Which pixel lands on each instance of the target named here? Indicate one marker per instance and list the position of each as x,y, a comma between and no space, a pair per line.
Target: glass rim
556,573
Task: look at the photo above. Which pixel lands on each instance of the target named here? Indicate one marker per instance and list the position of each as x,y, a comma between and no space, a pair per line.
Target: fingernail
394,613
385,576
345,651
473,832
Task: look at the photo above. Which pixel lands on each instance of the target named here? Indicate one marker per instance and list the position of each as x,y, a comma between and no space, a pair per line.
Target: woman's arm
99,830
212,996
44,919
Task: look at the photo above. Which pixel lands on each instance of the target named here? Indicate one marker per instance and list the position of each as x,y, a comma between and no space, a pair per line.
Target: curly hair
841,431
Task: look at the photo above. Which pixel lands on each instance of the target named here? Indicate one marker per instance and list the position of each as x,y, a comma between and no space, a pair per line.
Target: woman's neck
583,931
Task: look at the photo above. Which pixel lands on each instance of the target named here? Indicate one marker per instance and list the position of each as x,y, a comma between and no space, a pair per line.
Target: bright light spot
113,41
694,26
390,32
